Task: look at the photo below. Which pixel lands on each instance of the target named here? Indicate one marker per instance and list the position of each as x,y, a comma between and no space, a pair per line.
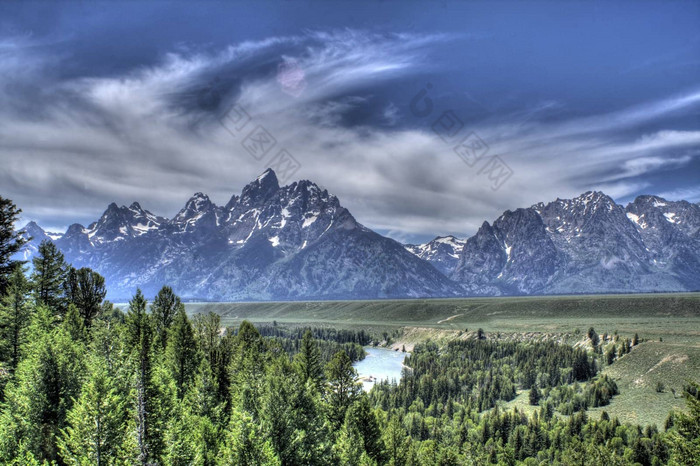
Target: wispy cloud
146,136
691,194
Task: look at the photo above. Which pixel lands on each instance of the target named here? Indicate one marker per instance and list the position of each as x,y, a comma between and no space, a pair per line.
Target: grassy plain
673,317
668,324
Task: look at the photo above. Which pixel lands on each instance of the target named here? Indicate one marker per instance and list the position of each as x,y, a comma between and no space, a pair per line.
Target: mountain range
297,242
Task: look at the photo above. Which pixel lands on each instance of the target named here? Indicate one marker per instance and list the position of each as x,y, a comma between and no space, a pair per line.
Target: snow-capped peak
119,223
659,214
38,234
442,251
197,208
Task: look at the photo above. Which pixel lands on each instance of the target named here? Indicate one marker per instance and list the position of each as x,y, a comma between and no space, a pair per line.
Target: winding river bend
379,364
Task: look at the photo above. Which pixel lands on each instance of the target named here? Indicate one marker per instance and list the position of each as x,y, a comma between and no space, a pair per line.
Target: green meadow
673,317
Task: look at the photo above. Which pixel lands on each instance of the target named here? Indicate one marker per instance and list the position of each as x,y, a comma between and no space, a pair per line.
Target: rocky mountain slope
443,252
298,242
588,244
271,242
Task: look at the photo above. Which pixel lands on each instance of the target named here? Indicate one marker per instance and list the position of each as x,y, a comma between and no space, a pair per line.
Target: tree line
83,382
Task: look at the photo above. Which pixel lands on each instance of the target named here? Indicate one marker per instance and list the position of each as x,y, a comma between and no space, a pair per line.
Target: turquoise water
379,364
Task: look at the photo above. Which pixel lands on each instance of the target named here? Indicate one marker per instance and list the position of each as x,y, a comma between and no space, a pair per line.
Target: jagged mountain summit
588,244
442,252
269,243
297,242
37,234
671,234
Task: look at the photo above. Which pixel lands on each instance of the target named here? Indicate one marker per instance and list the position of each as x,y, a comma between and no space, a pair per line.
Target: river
379,364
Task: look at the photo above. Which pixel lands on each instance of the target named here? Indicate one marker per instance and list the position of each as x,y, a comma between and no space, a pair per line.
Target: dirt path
449,318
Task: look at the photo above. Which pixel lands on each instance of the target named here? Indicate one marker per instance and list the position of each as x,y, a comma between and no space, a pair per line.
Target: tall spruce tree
244,444
74,324
276,414
217,350
247,368
534,396
343,388
139,334
165,307
15,316
86,289
397,442
182,355
349,450
308,361
208,327
194,433
49,274
97,421
361,416
312,430
208,332
292,416
11,241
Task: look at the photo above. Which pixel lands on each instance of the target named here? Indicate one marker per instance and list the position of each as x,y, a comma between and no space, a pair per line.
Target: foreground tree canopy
85,383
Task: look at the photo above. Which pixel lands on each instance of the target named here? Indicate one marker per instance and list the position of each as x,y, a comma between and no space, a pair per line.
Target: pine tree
349,448
247,368
245,445
182,353
165,307
47,382
221,368
85,288
308,361
11,241
582,367
535,396
15,314
97,421
684,438
312,430
217,351
342,389
191,439
139,333
397,442
360,416
207,327
194,431
109,344
180,450
49,274
277,415
593,336
74,324
611,354
203,398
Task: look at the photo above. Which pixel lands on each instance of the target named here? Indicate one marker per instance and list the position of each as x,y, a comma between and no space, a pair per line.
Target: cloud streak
147,135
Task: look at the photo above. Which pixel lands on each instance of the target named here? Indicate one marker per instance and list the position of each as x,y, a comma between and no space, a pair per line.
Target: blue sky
103,102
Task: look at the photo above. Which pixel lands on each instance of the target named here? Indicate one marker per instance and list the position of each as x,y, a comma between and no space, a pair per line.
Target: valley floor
667,324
